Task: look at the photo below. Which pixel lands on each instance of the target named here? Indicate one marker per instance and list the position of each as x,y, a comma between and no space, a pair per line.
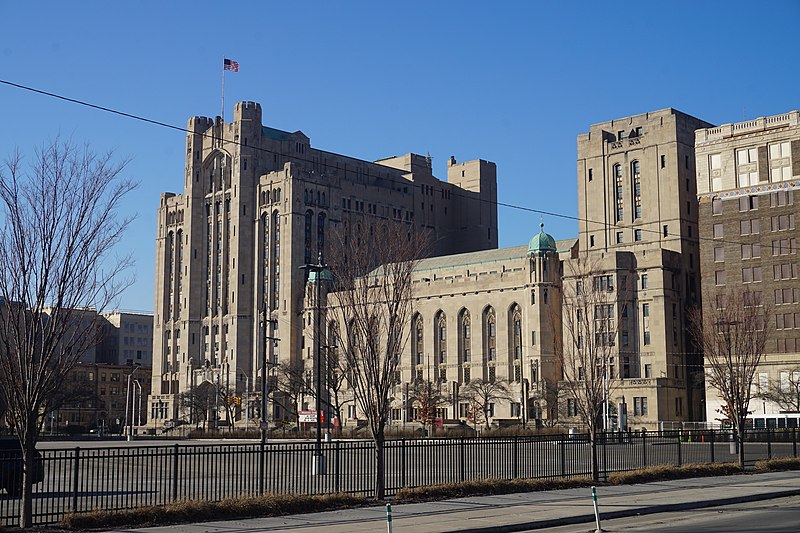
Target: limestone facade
638,217
258,204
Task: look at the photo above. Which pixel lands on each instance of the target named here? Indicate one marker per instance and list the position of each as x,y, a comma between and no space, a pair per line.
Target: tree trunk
380,467
29,459
595,459
740,437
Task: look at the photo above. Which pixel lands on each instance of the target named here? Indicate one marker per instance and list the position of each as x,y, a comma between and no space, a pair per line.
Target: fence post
712,439
175,473
515,449
261,466
336,471
563,457
794,442
75,479
463,459
769,444
680,461
644,448
403,462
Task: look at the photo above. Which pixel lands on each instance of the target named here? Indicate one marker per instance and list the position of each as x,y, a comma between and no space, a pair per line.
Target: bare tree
336,371
427,397
372,304
293,383
585,351
481,395
61,222
733,335
785,392
197,401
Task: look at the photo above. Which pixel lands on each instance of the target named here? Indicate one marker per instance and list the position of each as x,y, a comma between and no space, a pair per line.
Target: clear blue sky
511,82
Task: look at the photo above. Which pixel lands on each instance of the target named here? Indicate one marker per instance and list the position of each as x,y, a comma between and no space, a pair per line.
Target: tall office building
748,174
637,208
258,204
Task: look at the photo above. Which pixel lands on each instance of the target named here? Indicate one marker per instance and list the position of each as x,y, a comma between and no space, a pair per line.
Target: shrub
480,487
778,465
199,511
665,472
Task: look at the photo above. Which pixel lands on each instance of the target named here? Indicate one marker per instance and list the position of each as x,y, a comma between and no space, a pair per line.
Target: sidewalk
519,512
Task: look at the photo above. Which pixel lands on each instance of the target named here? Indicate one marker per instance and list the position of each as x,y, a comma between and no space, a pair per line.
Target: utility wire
405,183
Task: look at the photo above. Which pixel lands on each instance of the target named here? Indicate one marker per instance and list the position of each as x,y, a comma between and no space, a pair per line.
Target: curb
652,509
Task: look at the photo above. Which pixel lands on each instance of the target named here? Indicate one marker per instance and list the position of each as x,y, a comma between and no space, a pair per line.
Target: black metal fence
125,477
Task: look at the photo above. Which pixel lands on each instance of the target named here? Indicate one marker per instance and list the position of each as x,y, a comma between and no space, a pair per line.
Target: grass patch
202,511
778,465
666,472
482,487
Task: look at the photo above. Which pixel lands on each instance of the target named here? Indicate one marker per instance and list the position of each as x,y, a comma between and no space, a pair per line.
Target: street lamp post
246,398
138,413
264,362
128,404
319,459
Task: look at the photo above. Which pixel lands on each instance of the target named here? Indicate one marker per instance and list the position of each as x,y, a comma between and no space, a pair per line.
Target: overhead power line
507,205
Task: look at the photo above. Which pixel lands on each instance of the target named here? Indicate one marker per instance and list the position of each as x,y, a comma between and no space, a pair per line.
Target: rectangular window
781,198
719,254
648,370
716,206
782,222
640,406
637,235
750,227
645,310
747,166
748,203
719,277
715,171
718,231
644,281
572,407
619,237
646,338
780,161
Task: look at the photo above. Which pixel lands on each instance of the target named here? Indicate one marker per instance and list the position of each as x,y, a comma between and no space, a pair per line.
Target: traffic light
238,400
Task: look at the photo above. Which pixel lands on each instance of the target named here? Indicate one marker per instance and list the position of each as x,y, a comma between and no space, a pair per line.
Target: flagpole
223,90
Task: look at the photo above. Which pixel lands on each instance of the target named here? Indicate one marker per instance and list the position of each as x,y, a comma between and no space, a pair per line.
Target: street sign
306,416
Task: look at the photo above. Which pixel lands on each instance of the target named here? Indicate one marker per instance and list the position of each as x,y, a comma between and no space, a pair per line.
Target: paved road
781,515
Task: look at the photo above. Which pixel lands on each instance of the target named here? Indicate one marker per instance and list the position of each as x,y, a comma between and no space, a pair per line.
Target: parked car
11,467
169,425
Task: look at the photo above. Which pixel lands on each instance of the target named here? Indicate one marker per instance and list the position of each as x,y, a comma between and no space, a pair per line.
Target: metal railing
126,477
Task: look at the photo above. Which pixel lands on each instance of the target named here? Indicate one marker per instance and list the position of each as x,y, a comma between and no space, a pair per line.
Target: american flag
230,64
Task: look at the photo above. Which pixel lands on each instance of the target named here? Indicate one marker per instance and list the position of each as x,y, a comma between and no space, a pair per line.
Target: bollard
389,517
596,510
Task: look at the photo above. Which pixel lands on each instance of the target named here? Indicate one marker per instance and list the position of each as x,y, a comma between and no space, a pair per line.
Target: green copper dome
542,242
